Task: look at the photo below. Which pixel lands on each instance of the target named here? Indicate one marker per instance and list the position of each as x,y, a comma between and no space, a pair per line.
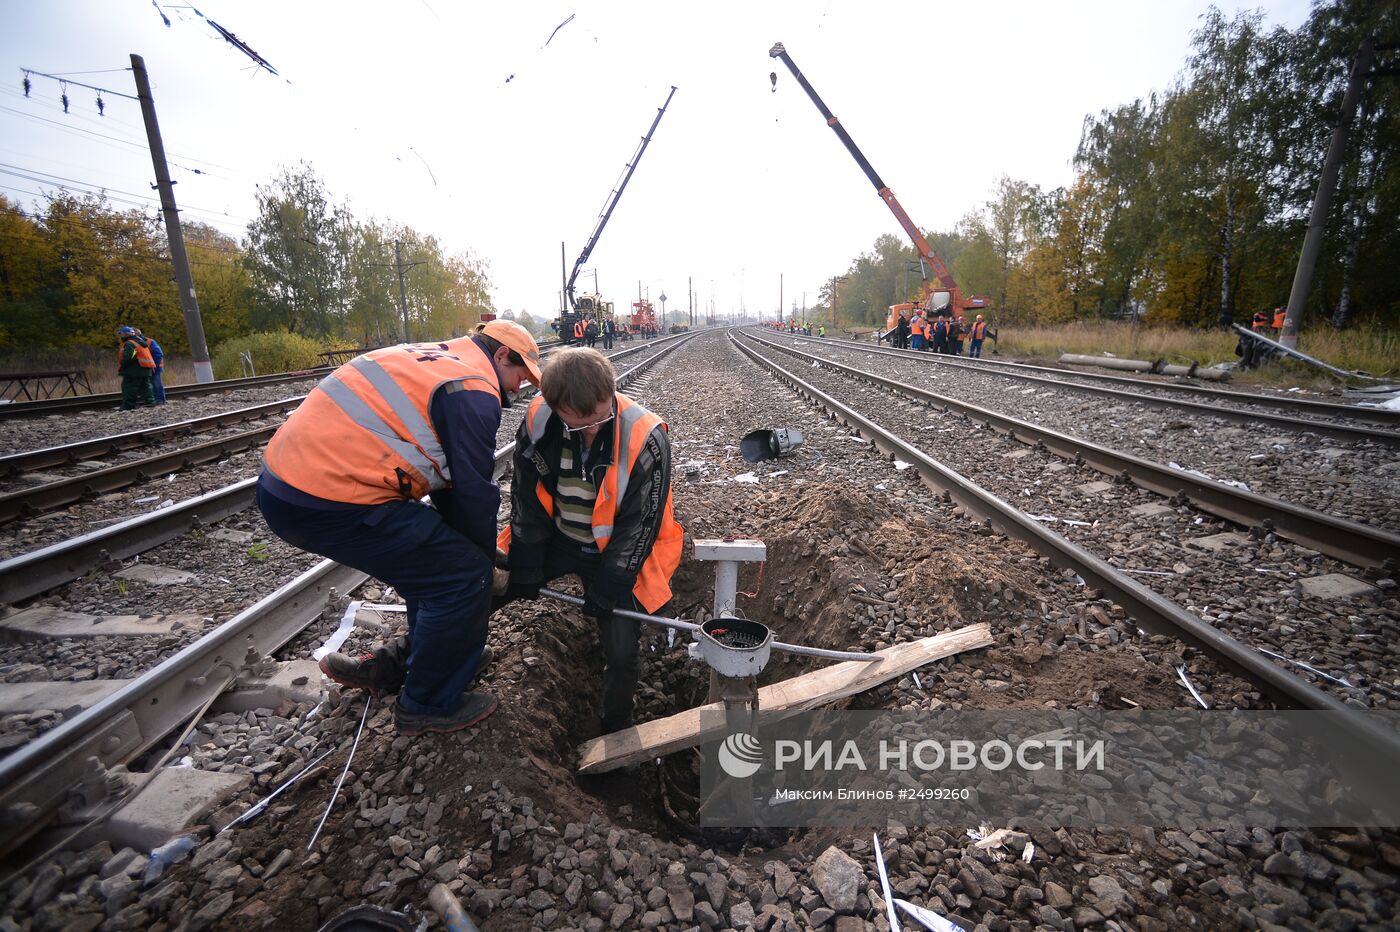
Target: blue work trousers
444,578
974,349
158,384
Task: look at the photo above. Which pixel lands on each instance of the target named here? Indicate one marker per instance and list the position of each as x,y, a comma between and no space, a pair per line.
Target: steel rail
39,570
37,779
1152,610
69,453
1349,541
1217,395
50,495
108,399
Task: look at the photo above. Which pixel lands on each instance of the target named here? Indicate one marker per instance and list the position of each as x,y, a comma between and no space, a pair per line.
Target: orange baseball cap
509,333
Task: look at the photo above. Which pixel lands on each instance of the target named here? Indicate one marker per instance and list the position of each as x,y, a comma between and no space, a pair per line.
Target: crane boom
926,253
611,203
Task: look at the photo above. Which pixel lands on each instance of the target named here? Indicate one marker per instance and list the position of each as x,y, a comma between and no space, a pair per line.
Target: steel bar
1217,396
690,626
1358,544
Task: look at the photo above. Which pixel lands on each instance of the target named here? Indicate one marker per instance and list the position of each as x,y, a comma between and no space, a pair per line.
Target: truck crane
946,295
592,306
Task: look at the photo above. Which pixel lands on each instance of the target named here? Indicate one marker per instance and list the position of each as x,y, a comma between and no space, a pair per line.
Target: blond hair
578,379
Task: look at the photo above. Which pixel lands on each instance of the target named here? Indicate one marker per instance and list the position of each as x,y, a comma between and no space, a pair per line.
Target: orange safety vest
143,354
630,429
1261,322
580,329
916,326
1278,318
979,330
365,436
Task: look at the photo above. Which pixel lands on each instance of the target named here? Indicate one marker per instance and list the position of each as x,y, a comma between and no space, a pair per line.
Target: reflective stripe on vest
143,356
364,435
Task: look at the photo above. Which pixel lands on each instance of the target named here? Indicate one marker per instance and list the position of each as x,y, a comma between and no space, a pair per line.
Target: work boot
474,708
375,674
363,672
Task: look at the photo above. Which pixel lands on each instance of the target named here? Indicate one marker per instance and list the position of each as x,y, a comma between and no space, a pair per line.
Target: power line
126,142
49,178
10,187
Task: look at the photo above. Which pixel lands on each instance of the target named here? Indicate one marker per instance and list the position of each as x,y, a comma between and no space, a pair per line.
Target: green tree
298,254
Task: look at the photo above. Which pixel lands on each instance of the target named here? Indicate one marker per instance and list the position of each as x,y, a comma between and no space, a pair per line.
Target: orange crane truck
945,294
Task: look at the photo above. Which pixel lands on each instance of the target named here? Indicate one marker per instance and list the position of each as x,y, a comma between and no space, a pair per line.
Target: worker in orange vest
135,365
916,332
580,329
343,477
976,335
1278,319
1260,322
591,494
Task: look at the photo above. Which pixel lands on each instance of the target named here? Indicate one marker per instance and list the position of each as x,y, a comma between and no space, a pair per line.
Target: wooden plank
820,687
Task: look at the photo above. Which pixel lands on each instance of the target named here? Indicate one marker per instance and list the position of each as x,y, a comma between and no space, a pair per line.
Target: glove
523,590
598,606
500,581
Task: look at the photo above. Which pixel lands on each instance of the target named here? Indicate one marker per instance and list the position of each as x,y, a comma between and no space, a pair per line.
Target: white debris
744,477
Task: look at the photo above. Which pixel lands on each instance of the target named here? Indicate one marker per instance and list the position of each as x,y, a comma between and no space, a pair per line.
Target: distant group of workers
945,333
587,332
141,364
1264,321
793,326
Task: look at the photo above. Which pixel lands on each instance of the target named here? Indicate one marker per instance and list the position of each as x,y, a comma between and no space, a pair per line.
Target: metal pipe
680,625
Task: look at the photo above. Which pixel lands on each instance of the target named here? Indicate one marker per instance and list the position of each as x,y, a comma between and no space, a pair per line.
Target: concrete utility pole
403,297
194,327
1322,201
690,287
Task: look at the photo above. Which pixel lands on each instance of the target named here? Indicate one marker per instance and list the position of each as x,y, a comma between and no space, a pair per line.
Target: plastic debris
337,638
744,477
901,465
1307,666
928,918
1029,851
262,804
1181,674
885,885
172,852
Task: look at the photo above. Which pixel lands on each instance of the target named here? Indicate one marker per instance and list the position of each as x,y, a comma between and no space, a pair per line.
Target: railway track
49,406
1147,607
1343,421
38,778
1357,544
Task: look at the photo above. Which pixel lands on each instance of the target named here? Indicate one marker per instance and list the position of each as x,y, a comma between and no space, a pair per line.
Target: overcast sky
460,121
